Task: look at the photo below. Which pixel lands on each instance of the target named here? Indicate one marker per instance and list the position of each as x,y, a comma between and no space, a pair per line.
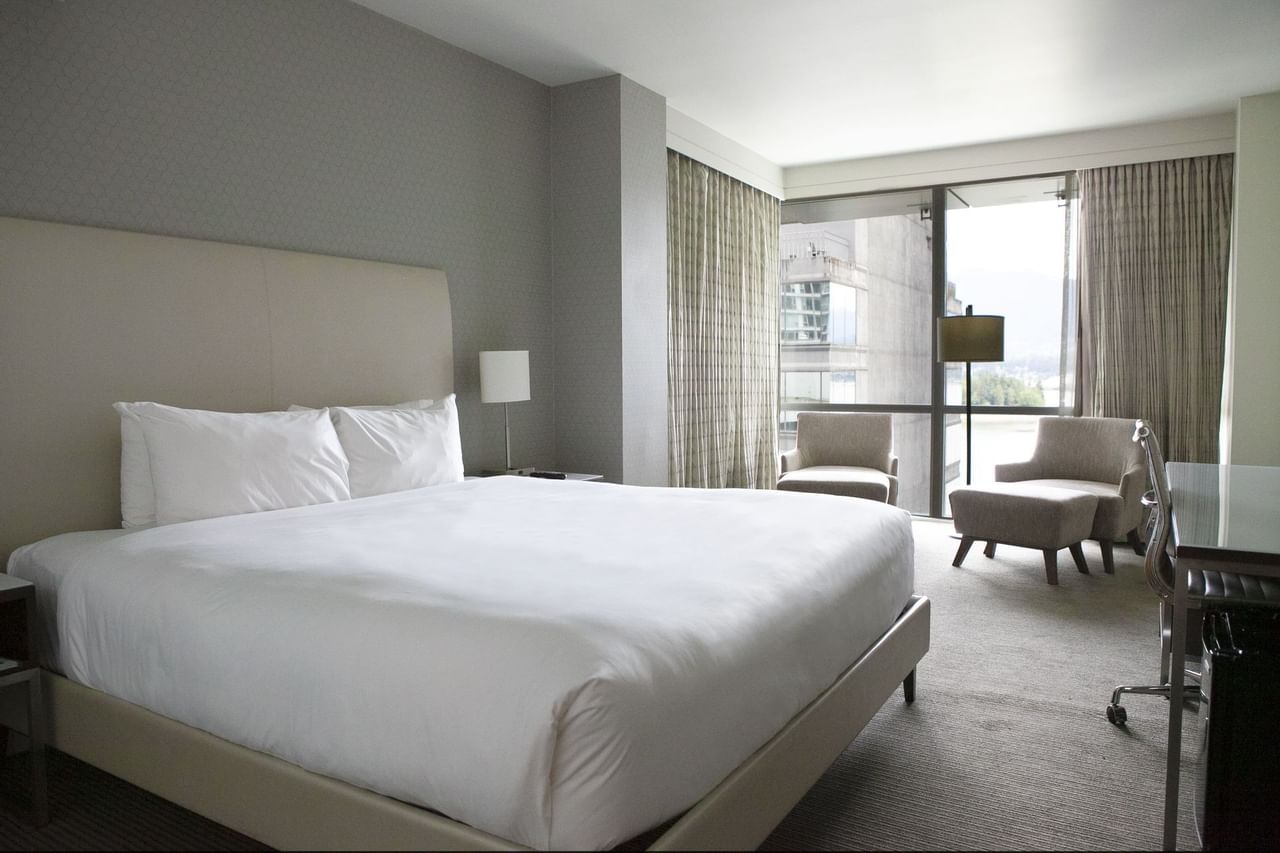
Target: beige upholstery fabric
1110,519
839,480
843,453
1094,455
1021,514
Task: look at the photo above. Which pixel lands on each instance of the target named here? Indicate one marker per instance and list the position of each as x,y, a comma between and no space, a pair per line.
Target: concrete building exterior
857,320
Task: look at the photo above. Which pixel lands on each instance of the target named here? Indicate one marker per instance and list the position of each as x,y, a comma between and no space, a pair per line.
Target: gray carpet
1005,747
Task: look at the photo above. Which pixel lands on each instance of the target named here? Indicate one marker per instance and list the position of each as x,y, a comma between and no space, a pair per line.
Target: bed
631,656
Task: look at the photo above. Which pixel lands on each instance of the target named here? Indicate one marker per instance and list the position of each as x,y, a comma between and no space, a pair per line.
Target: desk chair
1206,589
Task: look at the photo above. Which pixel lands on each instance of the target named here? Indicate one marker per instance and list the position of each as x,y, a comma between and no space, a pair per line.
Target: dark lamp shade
971,337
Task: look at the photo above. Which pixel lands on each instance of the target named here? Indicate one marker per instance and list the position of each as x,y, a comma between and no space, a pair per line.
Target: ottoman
1027,516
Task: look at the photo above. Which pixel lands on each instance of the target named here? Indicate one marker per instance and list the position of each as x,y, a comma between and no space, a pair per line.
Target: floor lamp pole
968,423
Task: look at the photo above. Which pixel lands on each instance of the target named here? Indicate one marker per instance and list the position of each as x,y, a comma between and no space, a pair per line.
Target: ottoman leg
1077,554
966,542
990,550
1051,566
1108,556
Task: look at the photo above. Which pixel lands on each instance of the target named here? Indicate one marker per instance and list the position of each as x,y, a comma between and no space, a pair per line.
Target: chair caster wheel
1116,715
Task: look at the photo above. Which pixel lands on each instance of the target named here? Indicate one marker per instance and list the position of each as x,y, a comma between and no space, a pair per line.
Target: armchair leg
1135,542
1077,554
990,550
966,542
1051,566
909,687
1108,556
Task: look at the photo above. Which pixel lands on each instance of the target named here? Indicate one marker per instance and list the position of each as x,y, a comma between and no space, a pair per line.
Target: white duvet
561,664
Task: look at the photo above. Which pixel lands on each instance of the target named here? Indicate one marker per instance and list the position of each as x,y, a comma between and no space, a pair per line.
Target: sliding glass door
1009,253
863,280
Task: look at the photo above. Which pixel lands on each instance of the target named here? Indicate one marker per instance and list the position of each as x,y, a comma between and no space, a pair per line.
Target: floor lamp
970,337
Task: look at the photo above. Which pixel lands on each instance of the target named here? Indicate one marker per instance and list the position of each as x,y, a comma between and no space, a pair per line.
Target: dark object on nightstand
548,475
1239,731
18,666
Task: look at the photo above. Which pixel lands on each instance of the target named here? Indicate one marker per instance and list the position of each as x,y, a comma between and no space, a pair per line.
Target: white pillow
207,464
137,495
391,450
410,404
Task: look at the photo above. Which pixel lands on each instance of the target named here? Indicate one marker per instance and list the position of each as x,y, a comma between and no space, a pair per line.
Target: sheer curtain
722,328
1154,249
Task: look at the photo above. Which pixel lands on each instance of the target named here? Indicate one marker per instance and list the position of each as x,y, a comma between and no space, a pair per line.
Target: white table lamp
504,378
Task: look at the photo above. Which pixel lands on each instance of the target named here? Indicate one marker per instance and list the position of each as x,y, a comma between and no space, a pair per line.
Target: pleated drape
1153,253
722,330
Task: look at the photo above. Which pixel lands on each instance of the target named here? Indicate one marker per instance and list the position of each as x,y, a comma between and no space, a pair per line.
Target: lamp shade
971,337
504,376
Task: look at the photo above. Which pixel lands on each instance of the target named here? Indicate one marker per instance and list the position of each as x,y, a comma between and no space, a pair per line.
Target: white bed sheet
561,664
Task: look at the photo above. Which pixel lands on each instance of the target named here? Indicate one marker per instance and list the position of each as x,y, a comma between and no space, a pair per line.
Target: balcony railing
814,243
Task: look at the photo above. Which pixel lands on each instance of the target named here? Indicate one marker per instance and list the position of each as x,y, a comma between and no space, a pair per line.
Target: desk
1225,517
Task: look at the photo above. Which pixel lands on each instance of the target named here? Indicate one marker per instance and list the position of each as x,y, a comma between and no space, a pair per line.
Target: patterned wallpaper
588,270
610,177
318,126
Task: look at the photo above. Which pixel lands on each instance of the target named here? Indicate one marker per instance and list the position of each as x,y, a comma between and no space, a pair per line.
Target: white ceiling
804,81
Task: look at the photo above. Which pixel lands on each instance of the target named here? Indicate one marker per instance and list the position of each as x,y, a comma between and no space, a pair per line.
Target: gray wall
318,126
643,154
588,272
611,280
1253,395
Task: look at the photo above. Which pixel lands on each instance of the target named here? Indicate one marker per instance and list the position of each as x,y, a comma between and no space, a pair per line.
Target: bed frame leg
909,687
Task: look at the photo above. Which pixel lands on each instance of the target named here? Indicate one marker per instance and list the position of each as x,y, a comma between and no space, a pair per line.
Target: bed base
284,806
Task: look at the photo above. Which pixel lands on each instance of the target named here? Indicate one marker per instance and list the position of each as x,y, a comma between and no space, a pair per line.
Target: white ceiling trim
696,140
1037,156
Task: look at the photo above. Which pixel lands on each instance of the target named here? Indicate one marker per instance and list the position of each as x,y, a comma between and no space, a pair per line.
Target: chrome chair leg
1116,714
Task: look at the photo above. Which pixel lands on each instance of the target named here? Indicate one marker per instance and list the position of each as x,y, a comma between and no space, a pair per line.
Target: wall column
1251,398
610,280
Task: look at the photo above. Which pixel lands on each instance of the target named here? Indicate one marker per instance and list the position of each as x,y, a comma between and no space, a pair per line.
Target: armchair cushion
849,481
1113,518
856,439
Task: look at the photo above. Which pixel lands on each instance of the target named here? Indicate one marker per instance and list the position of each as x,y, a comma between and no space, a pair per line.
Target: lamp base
514,472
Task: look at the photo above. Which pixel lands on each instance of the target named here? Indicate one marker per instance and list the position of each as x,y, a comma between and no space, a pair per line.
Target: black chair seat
1213,587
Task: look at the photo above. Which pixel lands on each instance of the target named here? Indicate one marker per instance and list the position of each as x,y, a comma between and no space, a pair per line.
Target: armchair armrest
893,467
1012,472
789,461
1132,484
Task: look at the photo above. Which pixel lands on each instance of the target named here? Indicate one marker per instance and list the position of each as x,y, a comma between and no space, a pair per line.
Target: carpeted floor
1005,747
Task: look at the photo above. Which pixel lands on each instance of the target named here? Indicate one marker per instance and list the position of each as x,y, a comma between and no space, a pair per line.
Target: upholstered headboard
89,316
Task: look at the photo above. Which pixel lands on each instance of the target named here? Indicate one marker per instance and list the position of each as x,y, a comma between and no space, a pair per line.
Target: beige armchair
1094,455
843,453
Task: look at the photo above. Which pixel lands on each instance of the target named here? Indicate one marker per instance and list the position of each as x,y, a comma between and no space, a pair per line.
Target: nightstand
18,666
